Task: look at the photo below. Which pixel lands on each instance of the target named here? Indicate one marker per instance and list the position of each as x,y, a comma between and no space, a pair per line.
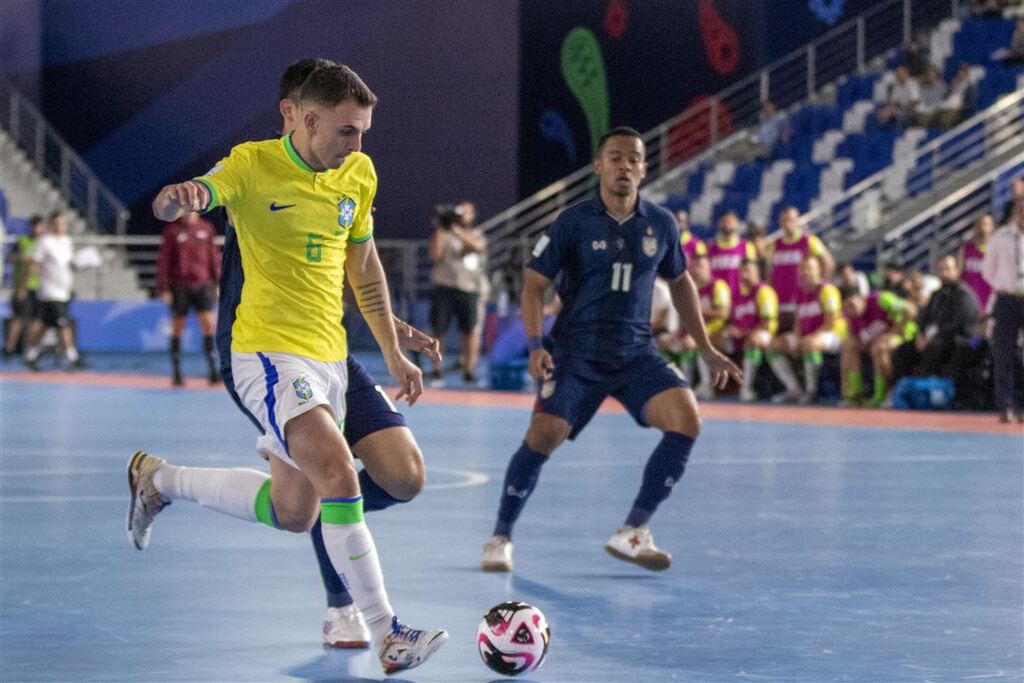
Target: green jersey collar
294,155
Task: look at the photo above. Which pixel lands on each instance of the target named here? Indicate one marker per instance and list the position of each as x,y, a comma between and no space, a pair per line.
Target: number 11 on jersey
621,276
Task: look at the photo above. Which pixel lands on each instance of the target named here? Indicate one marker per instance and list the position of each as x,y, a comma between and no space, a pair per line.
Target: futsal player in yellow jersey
301,206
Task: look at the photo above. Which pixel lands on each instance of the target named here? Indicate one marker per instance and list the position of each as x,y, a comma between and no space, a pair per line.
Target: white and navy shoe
344,628
406,648
497,555
146,502
636,544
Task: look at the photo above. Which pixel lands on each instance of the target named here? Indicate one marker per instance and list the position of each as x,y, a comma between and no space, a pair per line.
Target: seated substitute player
288,361
376,431
715,303
604,254
878,324
755,319
819,329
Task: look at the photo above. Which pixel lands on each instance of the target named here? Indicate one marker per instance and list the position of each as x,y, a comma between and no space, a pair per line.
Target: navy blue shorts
578,388
368,409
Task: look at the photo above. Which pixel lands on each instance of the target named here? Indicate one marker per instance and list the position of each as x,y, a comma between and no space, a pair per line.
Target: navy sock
520,480
374,497
176,354
664,469
337,596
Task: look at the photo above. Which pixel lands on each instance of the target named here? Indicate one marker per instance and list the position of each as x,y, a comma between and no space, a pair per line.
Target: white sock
749,370
784,371
705,374
229,491
354,556
32,353
72,353
811,371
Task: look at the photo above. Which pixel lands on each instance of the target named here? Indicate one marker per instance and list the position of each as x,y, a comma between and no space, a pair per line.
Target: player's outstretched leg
674,412
546,432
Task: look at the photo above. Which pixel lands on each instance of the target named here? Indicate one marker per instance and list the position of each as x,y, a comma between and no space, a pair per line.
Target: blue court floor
802,553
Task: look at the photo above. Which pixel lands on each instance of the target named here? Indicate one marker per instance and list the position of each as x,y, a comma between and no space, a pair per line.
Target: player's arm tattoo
371,299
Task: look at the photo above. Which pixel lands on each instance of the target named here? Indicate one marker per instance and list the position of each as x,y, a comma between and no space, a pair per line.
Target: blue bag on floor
923,393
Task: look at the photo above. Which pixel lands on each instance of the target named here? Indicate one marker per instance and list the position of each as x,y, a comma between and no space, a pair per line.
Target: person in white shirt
1003,269
52,261
902,100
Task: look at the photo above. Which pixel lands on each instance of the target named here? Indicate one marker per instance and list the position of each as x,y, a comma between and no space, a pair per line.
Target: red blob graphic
720,40
693,135
616,18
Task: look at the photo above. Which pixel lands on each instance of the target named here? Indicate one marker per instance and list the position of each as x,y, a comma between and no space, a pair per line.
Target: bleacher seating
835,146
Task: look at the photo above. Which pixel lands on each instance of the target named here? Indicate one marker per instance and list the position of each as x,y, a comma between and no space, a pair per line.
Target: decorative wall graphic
555,128
583,71
692,136
720,39
829,11
616,18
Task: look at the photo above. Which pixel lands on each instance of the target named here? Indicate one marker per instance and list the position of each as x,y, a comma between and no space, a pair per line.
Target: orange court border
932,421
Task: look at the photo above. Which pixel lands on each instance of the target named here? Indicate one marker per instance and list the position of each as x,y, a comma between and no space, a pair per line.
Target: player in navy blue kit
603,256
392,462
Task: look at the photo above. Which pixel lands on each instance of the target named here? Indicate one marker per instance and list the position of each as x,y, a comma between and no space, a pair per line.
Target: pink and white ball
513,638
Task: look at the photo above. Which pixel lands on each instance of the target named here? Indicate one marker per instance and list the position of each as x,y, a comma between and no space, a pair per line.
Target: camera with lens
447,215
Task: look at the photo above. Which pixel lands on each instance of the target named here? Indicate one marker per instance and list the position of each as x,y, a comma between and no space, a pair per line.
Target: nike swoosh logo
279,207
356,557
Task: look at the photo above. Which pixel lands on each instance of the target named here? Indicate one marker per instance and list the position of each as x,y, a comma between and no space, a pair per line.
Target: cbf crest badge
346,212
650,243
302,389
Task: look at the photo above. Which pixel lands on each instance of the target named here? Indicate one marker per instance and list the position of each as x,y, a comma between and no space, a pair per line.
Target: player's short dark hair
296,74
619,131
332,85
35,220
849,291
56,213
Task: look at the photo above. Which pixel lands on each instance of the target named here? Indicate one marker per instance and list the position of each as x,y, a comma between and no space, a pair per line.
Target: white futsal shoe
146,502
344,628
636,544
406,648
497,555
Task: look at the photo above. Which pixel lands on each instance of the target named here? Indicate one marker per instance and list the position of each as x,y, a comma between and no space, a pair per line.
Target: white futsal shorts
276,387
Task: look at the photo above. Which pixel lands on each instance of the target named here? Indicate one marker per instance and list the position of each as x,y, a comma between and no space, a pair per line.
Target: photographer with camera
456,251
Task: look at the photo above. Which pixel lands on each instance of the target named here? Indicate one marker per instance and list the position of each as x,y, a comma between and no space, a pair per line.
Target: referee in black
1003,268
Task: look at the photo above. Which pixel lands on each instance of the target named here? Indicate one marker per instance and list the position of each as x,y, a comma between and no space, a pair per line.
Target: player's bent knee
408,479
296,516
546,433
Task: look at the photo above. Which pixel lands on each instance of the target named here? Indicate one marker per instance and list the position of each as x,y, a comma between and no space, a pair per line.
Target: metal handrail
698,130
60,164
991,132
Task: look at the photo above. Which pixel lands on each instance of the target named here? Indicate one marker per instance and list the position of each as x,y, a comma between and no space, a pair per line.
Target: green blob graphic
583,71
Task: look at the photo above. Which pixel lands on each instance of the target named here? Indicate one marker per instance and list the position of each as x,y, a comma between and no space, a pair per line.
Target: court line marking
469,478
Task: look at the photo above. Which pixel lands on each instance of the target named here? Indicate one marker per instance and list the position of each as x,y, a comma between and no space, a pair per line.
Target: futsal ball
513,637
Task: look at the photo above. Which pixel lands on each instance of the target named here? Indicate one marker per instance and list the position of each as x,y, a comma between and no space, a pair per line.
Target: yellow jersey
293,225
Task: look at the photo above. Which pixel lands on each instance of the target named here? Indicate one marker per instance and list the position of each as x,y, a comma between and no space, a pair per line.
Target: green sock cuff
773,356
755,355
814,357
855,383
881,388
688,356
339,511
264,508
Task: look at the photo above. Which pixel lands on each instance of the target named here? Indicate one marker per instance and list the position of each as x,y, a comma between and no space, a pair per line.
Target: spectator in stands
819,330
691,245
916,60
878,326
932,91
986,8
23,300
848,277
948,320
1016,195
959,103
970,258
1003,268
455,251
752,324
715,304
901,99
772,129
727,250
1014,55
188,269
785,256
52,258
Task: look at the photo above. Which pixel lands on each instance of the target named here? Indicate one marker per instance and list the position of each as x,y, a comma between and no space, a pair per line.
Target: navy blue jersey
604,272
231,278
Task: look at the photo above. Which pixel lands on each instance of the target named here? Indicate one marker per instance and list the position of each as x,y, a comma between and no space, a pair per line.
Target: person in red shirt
188,268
